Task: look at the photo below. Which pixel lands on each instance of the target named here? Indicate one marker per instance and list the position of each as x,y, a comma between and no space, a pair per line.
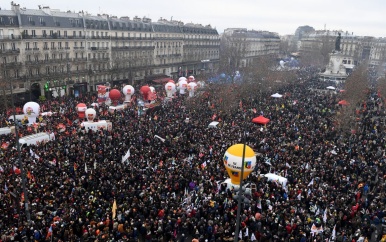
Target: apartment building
50,52
242,46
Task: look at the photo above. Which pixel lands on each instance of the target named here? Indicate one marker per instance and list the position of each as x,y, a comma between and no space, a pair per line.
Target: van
34,139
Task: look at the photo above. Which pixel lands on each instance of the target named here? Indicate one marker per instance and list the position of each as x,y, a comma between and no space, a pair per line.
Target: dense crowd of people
79,189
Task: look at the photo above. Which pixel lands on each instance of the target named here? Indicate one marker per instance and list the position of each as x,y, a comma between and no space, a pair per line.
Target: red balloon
145,92
114,94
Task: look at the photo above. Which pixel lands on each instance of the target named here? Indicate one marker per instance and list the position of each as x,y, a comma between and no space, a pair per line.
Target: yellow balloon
233,160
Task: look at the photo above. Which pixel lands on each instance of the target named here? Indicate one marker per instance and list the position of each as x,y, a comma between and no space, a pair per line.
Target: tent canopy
343,102
276,95
260,120
213,124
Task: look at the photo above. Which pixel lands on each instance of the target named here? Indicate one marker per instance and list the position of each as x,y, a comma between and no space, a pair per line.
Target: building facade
242,47
47,52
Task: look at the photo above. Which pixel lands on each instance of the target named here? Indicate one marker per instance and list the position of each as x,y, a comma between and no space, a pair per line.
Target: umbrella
260,120
276,95
343,102
331,88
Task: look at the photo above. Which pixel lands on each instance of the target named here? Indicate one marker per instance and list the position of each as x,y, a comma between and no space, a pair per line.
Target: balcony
78,48
11,37
10,51
98,48
11,64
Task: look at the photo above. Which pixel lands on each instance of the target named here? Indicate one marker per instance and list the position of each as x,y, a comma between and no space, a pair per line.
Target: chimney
15,7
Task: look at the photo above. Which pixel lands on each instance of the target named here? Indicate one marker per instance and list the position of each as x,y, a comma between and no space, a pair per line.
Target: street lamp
22,173
240,195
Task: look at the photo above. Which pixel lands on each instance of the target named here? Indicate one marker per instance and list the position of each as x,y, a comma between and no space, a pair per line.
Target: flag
333,234
114,209
307,166
203,165
241,234
127,156
214,116
49,234
299,197
85,167
246,232
253,237
29,175
254,110
16,170
33,154
5,187
325,216
311,182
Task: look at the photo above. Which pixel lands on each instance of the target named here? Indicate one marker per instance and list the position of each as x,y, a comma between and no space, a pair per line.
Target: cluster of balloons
148,93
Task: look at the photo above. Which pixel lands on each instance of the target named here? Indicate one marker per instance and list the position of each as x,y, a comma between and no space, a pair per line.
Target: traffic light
46,86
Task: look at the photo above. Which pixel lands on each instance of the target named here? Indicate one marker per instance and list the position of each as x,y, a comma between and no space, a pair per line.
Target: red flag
16,170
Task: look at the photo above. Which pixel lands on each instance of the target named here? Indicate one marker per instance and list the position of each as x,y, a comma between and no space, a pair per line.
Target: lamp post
22,173
240,196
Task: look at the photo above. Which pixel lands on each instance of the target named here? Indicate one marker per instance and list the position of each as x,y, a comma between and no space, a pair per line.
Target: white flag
253,237
333,234
325,216
124,158
241,234
246,232
311,182
33,154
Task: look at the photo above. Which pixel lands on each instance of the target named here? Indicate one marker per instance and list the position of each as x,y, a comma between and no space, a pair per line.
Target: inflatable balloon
191,79
170,89
81,109
90,114
128,91
192,87
183,84
115,96
145,92
233,162
152,89
32,111
182,79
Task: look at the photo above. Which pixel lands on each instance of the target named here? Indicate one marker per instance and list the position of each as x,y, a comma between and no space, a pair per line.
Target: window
35,44
58,33
51,33
80,33
36,58
33,33
65,33
27,45
29,19
46,57
52,45
45,45
10,20
60,45
41,20
74,33
28,57
44,33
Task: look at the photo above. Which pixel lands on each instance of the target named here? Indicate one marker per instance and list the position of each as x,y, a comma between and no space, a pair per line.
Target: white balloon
31,110
170,89
90,114
128,91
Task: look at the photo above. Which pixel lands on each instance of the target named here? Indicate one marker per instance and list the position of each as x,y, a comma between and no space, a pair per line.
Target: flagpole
240,194
22,173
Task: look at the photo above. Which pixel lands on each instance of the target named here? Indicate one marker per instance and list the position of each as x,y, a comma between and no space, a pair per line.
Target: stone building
45,52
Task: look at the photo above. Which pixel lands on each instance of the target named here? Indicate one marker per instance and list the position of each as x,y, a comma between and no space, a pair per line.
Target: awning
162,80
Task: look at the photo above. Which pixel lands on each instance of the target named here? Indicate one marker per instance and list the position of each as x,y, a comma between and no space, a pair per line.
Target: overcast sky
363,18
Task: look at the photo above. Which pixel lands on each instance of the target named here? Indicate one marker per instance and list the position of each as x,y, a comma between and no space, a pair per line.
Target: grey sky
364,18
